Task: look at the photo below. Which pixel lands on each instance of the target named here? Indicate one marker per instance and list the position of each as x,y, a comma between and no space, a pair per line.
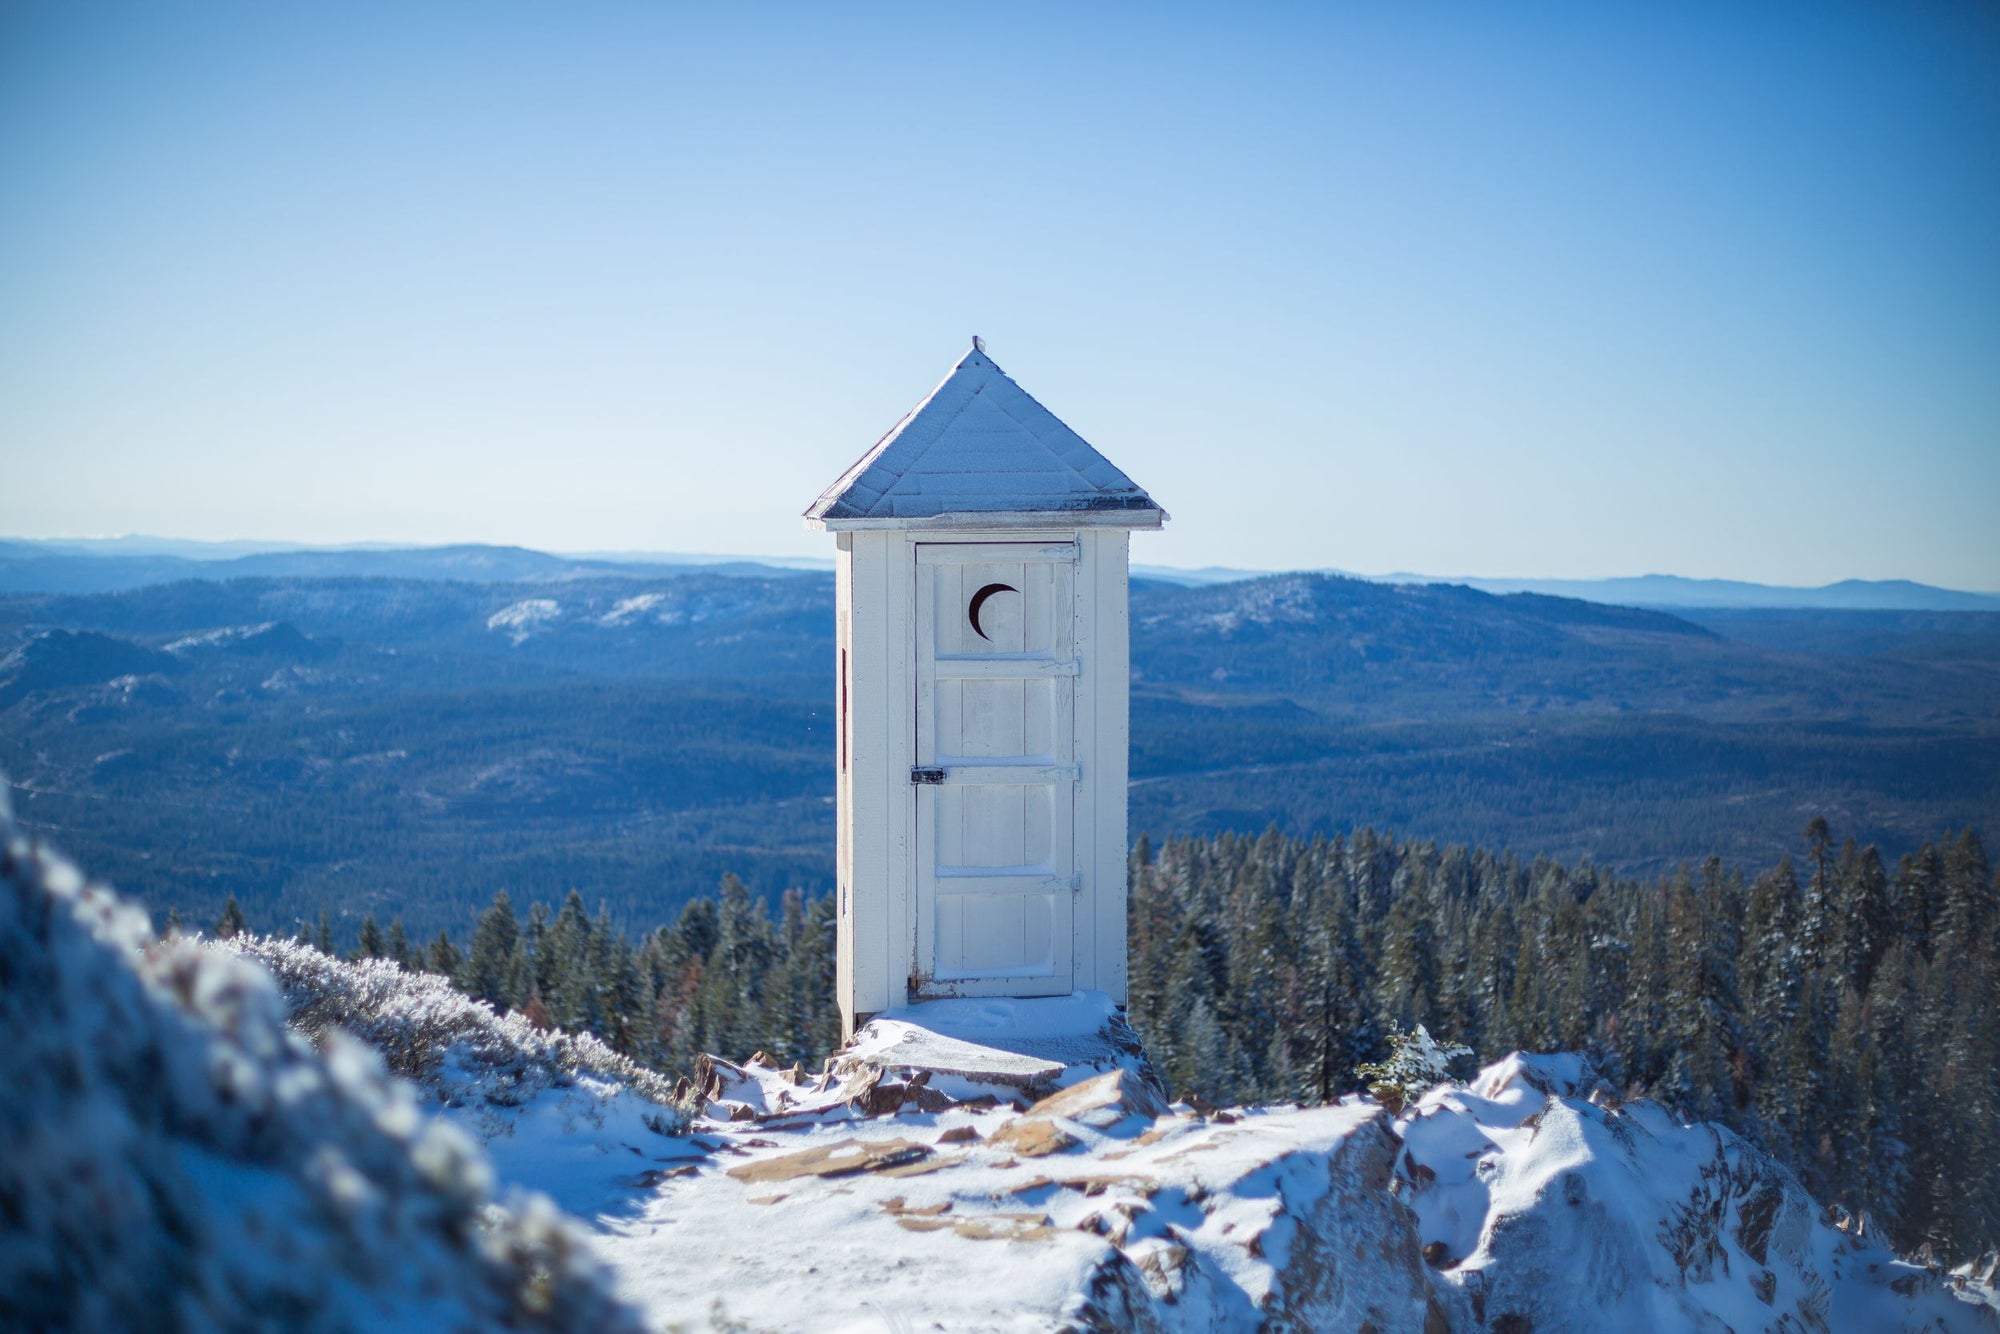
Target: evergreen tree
231,922
373,944
398,947
488,965
565,967
729,999
443,957
1864,917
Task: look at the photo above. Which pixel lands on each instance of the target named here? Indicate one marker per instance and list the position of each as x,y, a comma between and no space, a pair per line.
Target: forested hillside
407,746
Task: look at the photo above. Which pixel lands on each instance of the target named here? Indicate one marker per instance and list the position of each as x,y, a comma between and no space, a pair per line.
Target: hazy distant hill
87,565
408,745
117,565
1668,590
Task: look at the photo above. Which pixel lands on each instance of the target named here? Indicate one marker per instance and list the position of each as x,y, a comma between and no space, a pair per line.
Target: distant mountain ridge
1671,590
1649,590
116,565
108,565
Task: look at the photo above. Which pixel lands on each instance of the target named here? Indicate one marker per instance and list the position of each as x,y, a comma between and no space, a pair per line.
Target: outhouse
981,585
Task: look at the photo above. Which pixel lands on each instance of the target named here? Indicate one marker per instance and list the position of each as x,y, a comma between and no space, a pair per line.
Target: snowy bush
1417,1063
456,1049
176,1158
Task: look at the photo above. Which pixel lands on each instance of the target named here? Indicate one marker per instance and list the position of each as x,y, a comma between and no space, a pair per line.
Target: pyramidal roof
980,450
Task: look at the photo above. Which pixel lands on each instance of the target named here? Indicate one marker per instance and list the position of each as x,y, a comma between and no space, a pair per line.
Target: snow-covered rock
1554,1207
175,1157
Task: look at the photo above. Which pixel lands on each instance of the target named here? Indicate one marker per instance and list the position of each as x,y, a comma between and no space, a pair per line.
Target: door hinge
921,774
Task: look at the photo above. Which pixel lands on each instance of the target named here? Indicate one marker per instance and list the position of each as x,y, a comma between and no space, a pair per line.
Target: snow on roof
980,448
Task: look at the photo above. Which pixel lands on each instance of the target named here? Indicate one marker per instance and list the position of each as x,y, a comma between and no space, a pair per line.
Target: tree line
1836,1013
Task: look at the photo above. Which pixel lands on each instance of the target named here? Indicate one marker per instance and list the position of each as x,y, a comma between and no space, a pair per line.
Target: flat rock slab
845,1158
1033,1137
1103,1101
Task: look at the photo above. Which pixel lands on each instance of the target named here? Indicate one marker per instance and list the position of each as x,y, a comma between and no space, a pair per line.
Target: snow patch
524,618
627,608
228,634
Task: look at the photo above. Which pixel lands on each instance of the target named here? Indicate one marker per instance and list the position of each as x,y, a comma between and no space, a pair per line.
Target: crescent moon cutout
979,600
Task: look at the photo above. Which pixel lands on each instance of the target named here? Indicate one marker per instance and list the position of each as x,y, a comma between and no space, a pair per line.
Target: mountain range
78,565
406,744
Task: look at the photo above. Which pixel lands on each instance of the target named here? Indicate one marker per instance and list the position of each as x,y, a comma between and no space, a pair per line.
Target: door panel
995,714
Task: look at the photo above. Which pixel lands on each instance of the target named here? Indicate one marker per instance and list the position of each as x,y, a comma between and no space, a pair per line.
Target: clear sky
1528,290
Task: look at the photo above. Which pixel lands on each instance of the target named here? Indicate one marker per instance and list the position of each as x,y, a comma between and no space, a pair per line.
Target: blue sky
1527,290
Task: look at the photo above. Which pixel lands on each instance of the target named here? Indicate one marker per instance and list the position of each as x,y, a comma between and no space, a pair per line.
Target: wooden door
996,775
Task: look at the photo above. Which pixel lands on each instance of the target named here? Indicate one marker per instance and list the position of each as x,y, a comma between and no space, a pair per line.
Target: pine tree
1701,1001
373,944
729,1001
398,947
1864,917
565,967
487,966
231,922
1816,918
443,957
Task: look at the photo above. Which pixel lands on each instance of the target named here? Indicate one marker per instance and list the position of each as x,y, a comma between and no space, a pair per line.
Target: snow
523,618
979,444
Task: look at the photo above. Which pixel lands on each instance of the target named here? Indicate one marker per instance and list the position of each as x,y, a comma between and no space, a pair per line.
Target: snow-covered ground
193,1144
916,1184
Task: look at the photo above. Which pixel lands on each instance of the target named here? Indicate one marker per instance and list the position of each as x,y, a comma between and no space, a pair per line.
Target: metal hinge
920,774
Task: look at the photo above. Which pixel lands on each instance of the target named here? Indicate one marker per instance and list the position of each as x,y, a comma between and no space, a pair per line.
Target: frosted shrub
456,1049
1417,1062
176,1158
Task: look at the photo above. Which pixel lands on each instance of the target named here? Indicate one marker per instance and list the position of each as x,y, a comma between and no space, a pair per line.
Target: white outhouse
983,702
